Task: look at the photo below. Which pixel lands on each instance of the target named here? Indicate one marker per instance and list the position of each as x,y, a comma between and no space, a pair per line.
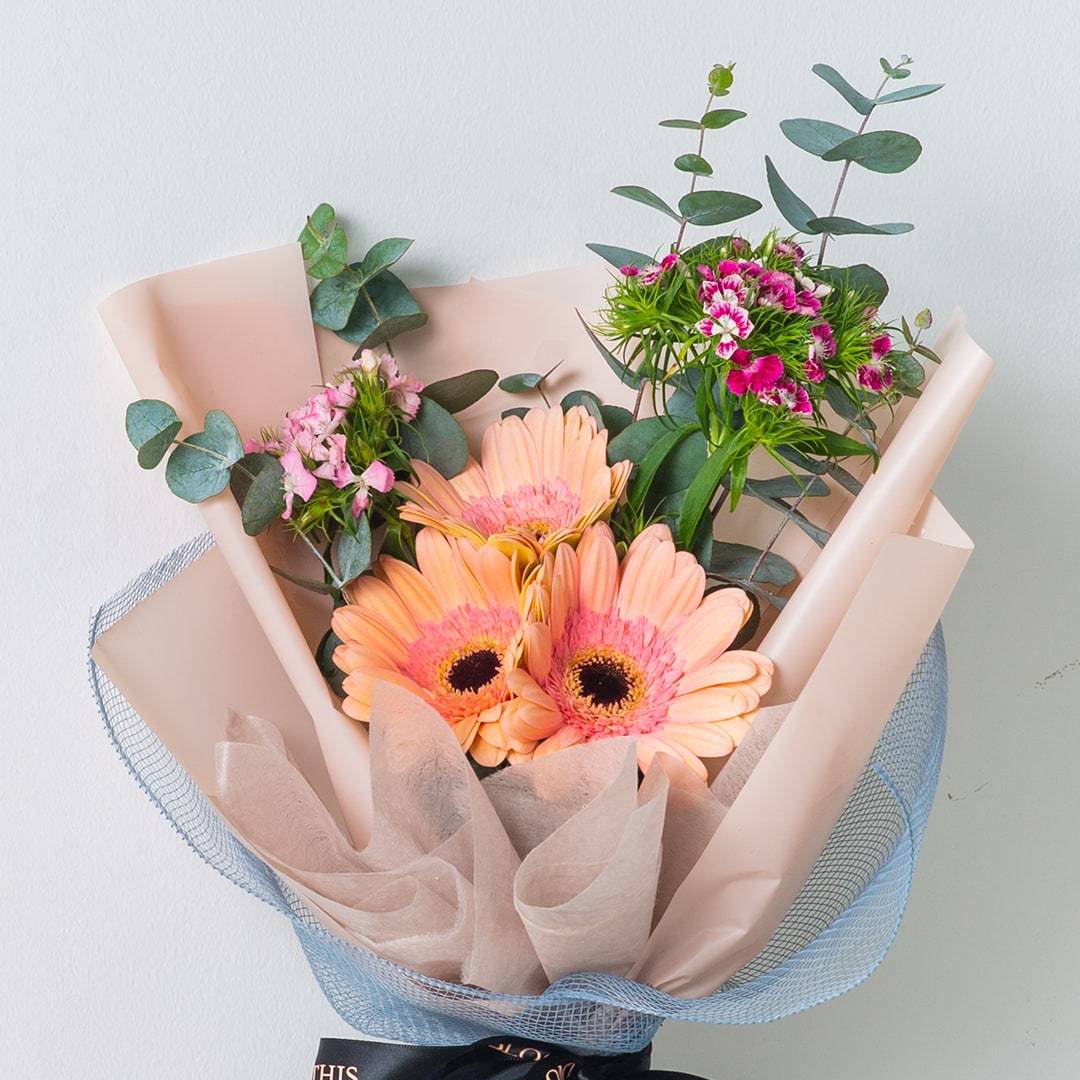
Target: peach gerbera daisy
540,482
448,631
635,649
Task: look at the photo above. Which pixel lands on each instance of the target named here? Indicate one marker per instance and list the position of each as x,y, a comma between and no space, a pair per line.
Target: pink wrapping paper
732,859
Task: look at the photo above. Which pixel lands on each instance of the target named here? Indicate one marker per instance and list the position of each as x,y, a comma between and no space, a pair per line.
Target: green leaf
324,658
519,411
306,583
860,278
688,124
437,438
262,499
816,533
815,136
633,443
354,550
384,310
626,375
879,151
693,163
333,299
719,118
151,427
646,198
195,472
588,401
909,92
797,213
715,207
787,487
735,562
909,372
222,436
859,102
323,243
842,226
838,445
843,477
616,419
893,73
521,383
700,493
841,404
460,391
381,257
619,256
647,468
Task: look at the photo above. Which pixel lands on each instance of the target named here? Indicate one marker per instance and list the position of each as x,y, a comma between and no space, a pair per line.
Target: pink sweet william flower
814,369
669,262
806,303
404,389
728,322
777,289
880,347
378,476
790,250
822,342
341,395
296,481
629,271
750,268
335,466
875,377
789,395
730,287
757,374
652,273
727,267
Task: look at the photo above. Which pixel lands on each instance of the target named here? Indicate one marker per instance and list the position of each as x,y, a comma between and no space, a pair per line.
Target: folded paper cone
237,334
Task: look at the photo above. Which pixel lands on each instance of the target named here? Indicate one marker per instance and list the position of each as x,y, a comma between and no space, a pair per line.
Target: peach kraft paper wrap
236,334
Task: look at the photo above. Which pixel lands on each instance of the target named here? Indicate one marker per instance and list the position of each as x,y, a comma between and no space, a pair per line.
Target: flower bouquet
552,701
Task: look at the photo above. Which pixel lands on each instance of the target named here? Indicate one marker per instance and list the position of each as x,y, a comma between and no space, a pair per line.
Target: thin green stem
844,172
338,583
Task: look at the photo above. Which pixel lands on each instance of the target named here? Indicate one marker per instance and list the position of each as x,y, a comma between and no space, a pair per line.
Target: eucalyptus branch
694,176
844,170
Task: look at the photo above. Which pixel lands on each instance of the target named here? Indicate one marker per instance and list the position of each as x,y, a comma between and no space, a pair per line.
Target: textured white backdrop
143,137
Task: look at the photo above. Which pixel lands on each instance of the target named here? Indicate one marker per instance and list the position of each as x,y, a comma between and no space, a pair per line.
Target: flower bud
720,79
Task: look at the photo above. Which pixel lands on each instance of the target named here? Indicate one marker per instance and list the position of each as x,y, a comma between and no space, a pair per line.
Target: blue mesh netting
835,934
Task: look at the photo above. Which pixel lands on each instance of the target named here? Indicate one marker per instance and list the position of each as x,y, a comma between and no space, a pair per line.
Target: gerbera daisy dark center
603,681
473,671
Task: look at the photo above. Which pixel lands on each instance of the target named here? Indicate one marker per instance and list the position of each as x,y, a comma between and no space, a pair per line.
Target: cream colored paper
720,866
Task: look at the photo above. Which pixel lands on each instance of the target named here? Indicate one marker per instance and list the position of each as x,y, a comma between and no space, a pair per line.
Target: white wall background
143,137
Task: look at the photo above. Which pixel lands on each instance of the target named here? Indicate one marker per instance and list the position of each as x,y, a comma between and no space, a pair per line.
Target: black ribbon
489,1059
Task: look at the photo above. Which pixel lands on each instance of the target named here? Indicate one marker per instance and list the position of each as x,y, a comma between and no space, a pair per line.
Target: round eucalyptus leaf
646,198
816,137
437,438
693,163
588,401
151,427
354,550
620,256
222,436
718,118
384,310
715,207
843,226
256,483
879,151
521,383
616,419
333,299
195,470
460,391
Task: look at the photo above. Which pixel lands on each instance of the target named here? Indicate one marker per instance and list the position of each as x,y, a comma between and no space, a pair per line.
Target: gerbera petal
598,564
562,738
705,633
649,746
712,703
704,740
